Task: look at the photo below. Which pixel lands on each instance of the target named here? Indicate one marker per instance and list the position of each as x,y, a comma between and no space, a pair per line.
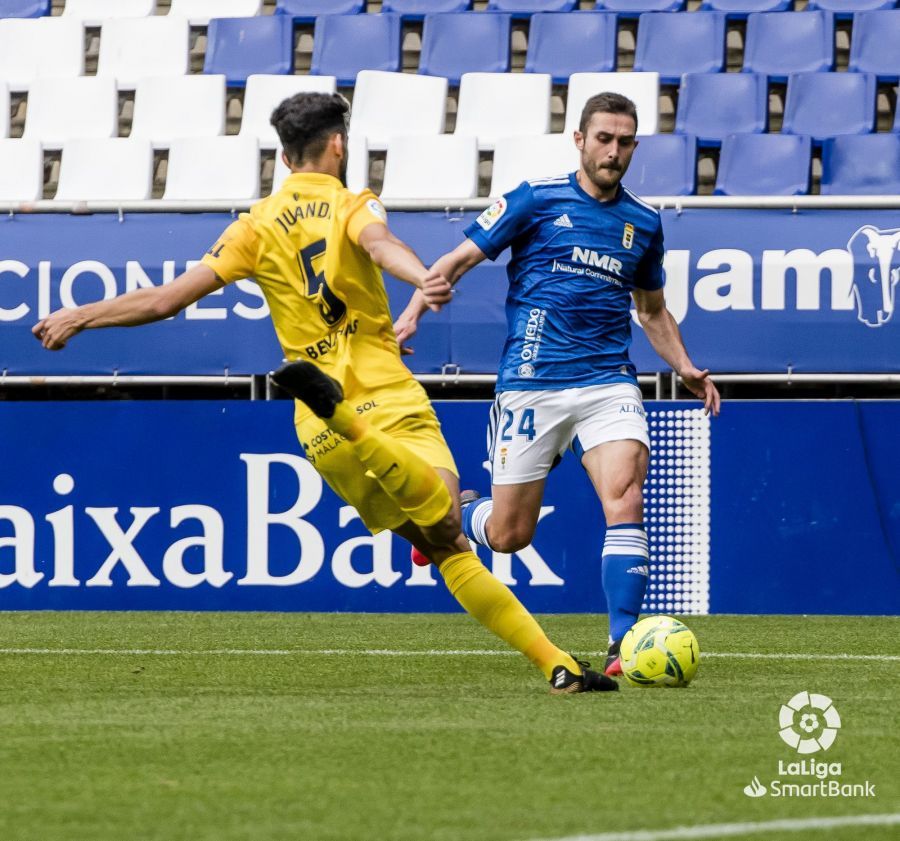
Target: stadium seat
264,93
875,46
673,45
133,48
828,104
43,48
441,167
21,170
62,109
345,44
740,9
518,159
581,42
526,8
469,42
24,8
764,165
95,12
118,169
635,8
493,105
200,12
357,166
861,165
641,88
417,9
386,104
4,109
713,105
184,106
240,47
778,44
663,165
213,168
844,9
306,11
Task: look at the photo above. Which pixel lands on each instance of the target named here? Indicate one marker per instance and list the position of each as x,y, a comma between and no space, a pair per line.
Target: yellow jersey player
317,250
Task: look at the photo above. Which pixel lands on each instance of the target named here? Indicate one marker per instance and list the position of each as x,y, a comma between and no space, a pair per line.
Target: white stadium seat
40,48
641,88
357,167
21,170
493,105
518,159
264,92
213,168
94,12
119,169
198,12
388,104
62,109
133,48
4,109
442,167
181,106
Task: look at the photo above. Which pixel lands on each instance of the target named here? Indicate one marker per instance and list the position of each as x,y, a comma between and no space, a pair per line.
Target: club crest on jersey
489,218
628,235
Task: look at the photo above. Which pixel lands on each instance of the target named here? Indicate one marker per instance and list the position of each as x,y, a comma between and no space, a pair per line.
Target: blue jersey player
583,248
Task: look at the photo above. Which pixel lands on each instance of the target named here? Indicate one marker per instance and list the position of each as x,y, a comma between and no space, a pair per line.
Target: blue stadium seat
417,9
24,8
714,105
580,42
306,11
875,46
471,42
526,8
861,165
778,44
844,9
239,47
764,165
740,9
345,44
635,8
673,45
828,104
663,165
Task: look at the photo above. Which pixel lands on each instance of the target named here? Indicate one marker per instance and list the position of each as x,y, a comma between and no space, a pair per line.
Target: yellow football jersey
326,296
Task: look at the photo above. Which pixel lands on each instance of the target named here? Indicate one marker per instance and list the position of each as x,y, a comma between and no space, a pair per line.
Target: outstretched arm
663,333
140,306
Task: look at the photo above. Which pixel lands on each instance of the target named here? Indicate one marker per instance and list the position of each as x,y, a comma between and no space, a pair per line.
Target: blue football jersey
574,262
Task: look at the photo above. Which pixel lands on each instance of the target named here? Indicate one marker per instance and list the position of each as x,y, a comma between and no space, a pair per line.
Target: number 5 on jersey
331,308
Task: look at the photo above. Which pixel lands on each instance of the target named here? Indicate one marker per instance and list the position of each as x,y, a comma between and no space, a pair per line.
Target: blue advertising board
770,508
753,290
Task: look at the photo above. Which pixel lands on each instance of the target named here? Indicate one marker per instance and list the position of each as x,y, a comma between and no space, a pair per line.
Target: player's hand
404,329
57,328
699,384
436,290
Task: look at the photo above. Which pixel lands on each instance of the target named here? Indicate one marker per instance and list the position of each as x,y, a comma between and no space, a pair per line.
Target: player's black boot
468,497
563,682
613,662
308,383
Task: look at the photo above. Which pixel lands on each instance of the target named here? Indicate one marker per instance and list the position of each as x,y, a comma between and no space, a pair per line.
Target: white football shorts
529,430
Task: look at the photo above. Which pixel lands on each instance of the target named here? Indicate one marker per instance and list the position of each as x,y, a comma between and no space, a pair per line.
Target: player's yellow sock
493,604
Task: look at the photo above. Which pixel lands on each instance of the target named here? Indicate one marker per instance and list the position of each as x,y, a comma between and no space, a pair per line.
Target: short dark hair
607,103
305,121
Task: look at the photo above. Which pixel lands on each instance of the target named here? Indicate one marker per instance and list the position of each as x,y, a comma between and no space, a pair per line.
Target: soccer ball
659,651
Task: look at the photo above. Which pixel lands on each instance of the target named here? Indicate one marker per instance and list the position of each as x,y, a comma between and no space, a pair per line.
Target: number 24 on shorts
524,427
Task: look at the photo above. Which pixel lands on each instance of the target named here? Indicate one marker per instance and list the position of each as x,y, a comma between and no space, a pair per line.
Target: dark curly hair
607,103
305,121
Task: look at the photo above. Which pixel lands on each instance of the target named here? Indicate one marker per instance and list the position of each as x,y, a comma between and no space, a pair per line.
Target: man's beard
610,177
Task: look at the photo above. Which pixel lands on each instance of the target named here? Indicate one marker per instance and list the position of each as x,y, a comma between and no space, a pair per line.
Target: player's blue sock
474,520
625,574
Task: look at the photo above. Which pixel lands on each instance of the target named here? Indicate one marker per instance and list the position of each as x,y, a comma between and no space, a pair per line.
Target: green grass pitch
329,739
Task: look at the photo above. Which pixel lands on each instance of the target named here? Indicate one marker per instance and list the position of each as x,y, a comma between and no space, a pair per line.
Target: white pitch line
729,830
387,652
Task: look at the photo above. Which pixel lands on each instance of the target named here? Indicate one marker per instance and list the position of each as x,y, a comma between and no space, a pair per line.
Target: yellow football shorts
400,409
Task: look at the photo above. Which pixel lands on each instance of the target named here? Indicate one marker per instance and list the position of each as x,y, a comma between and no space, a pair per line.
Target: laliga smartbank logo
809,723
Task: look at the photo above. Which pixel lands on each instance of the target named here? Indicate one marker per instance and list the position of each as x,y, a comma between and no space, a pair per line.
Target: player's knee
627,506
510,538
